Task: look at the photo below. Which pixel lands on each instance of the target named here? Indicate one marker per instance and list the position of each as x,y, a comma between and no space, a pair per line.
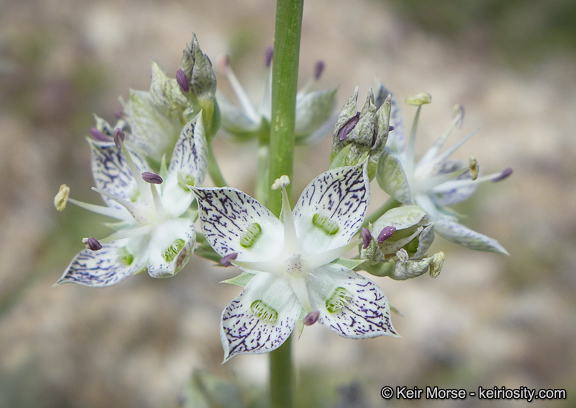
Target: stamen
419,99
319,69
182,80
503,175
348,126
311,318
243,98
366,237
281,182
458,112
385,233
119,137
390,128
436,264
268,56
474,168
92,243
151,178
227,259
62,197
99,135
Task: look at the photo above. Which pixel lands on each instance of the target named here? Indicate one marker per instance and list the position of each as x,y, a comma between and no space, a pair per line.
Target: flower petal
190,152
350,304
313,110
106,267
461,235
112,173
261,318
232,221
170,247
188,167
331,209
392,178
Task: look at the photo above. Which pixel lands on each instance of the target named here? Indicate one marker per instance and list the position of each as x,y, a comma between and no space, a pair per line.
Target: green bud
363,133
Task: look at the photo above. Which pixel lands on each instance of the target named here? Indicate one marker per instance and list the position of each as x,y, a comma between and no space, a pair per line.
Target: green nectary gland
125,257
338,300
185,180
324,223
264,312
251,235
173,250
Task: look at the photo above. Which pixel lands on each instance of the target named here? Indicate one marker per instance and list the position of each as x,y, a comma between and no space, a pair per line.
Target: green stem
284,87
389,204
213,169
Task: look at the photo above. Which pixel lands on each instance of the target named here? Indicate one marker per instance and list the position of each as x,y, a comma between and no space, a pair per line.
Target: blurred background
487,320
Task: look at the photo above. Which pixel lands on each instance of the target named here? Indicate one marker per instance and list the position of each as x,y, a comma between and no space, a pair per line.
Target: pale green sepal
392,178
348,263
166,94
407,269
461,235
380,269
312,111
240,280
341,158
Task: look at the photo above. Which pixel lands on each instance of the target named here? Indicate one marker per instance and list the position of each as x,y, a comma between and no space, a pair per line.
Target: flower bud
404,235
358,135
196,68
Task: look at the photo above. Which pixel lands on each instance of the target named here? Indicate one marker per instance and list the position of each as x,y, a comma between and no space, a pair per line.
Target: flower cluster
150,166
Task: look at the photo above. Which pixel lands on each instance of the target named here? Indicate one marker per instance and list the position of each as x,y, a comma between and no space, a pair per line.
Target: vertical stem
284,86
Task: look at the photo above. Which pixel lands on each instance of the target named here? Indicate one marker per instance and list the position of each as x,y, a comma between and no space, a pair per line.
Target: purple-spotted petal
331,209
171,246
232,221
350,304
105,267
112,173
261,318
190,153
460,235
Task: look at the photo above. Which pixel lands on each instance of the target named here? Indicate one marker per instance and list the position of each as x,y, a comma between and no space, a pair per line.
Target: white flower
289,276
314,117
156,230
435,181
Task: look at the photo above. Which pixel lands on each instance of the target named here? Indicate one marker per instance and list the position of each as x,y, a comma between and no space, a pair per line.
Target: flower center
293,264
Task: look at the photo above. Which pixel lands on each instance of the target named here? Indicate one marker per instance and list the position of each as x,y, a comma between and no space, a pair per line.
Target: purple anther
93,244
119,114
504,174
98,135
227,259
319,69
311,318
390,128
385,234
348,126
182,80
366,237
151,178
119,138
268,56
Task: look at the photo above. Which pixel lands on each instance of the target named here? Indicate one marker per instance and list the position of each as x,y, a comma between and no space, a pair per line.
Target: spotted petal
331,209
234,222
261,318
187,167
112,173
350,304
171,246
105,267
461,235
